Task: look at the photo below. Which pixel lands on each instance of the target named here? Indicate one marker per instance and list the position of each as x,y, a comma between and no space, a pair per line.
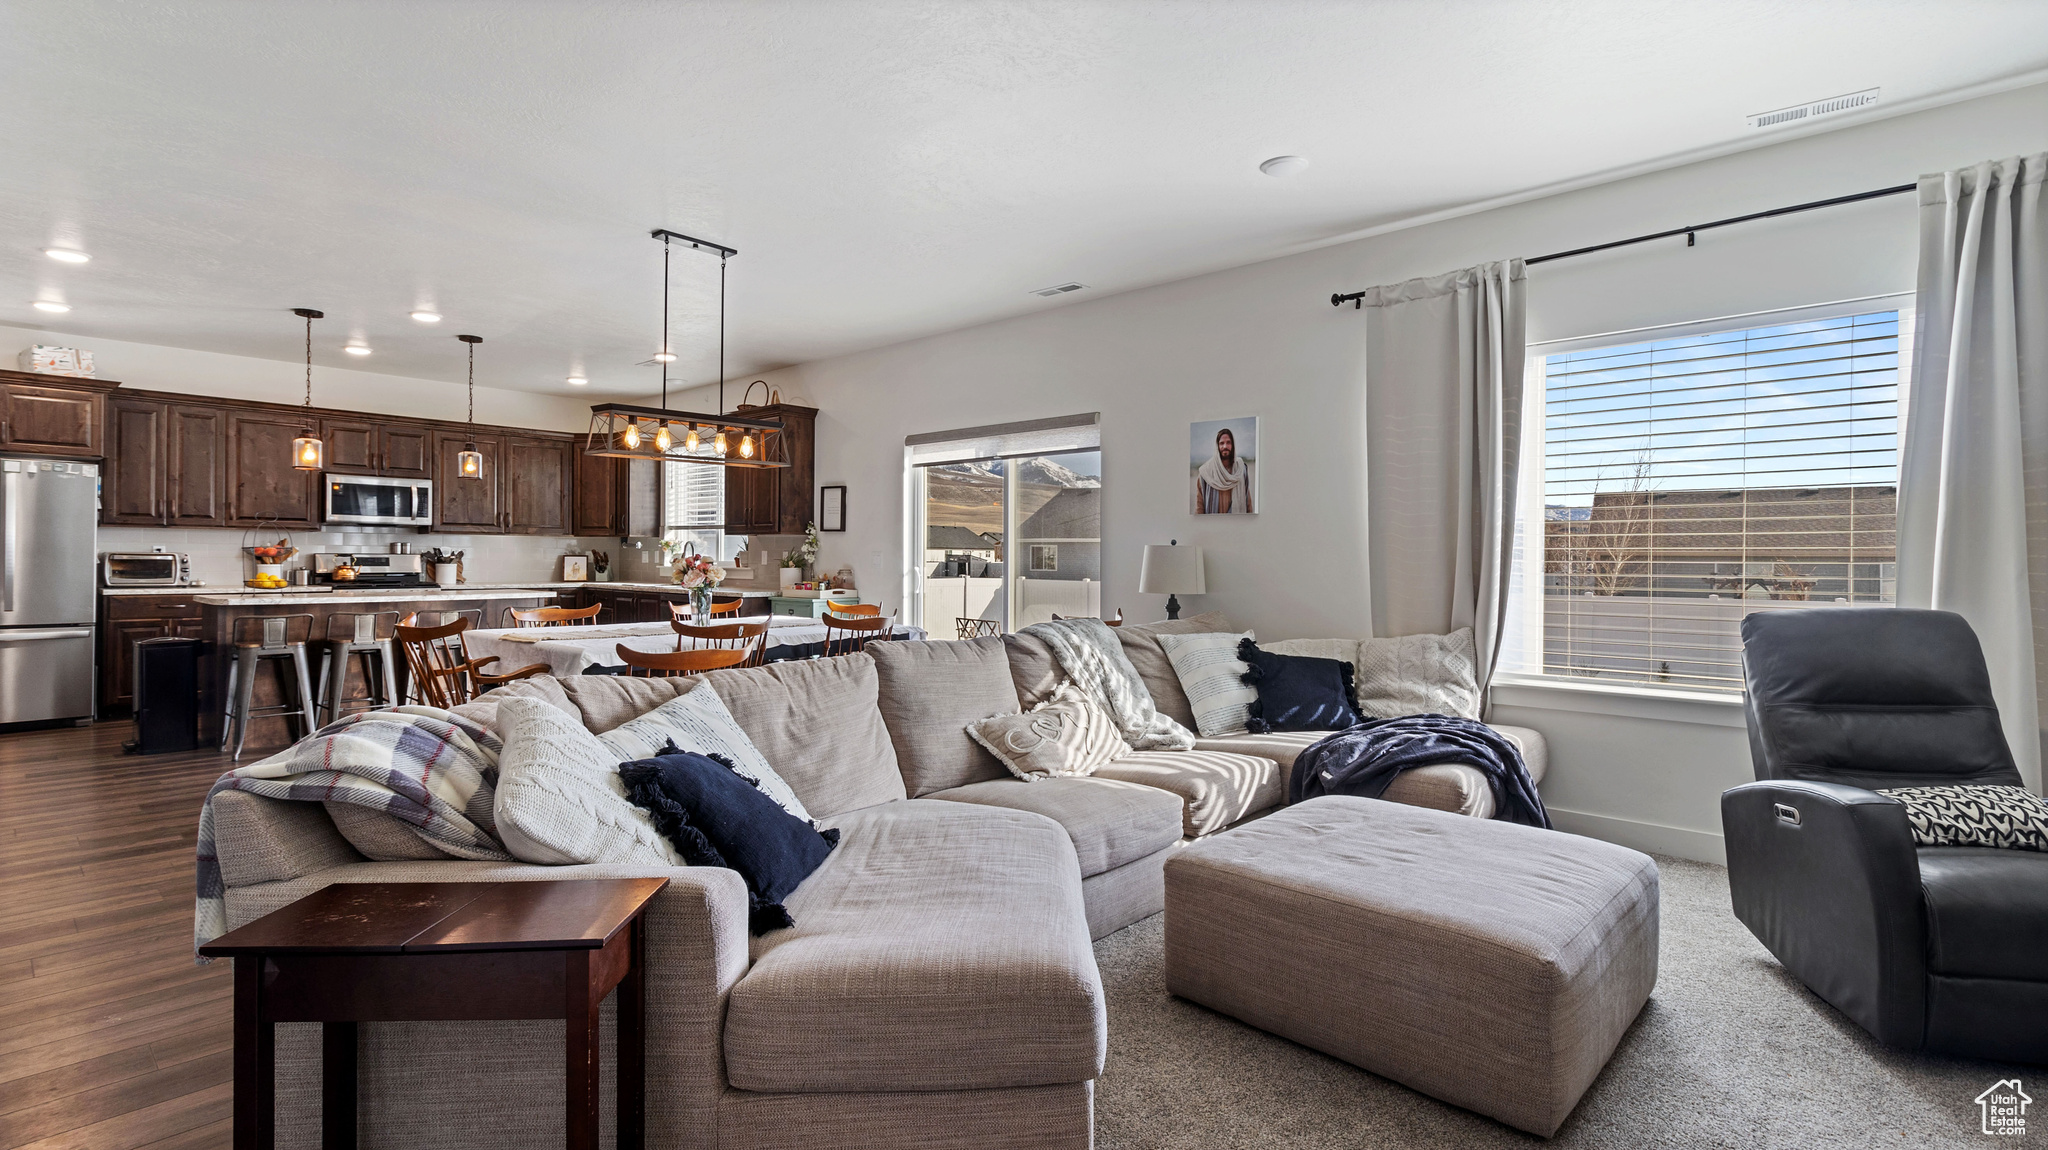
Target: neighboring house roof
946,537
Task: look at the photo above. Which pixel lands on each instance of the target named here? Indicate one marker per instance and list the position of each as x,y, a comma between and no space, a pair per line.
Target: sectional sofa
938,989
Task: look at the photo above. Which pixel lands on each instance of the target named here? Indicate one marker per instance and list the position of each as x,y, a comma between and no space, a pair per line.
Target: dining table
593,650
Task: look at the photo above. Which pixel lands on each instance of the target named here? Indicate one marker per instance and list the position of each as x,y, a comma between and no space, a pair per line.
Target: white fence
948,599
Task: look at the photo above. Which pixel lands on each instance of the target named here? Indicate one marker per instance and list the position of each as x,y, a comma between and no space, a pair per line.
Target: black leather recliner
1927,948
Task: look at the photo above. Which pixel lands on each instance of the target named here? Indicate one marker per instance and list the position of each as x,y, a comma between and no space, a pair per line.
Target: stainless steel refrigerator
49,516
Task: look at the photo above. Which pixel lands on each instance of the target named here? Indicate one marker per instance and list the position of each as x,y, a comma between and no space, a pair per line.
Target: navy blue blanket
1363,759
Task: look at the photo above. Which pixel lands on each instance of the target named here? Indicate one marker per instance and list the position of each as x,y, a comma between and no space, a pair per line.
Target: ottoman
1490,965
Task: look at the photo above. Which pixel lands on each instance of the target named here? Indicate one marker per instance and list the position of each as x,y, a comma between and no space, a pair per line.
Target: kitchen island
219,610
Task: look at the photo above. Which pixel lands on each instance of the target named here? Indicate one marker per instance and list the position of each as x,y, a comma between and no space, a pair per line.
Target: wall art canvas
1223,466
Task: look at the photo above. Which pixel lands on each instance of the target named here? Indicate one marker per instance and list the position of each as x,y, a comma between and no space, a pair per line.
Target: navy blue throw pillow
717,817
1297,693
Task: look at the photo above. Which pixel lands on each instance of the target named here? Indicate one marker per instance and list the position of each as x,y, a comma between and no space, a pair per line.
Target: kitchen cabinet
537,476
52,415
128,620
263,486
195,466
371,447
463,505
775,500
134,480
599,483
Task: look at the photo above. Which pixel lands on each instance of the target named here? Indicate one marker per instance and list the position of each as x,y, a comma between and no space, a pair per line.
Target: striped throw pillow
1212,676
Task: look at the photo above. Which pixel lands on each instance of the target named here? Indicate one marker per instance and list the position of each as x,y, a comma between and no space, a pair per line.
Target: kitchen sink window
692,507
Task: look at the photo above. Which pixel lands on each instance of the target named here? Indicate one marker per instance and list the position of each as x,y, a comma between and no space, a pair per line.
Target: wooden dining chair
442,673
550,616
853,608
678,612
669,664
751,638
977,628
845,634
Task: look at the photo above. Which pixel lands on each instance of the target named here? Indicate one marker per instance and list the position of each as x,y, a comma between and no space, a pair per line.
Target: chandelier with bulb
633,431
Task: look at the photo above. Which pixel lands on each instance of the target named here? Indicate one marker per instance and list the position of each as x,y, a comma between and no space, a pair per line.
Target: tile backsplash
217,559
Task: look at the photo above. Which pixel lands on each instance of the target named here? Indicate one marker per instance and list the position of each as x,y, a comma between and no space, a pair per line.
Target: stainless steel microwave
376,499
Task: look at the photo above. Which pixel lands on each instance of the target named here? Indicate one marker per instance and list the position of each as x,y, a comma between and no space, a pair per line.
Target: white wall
1264,340
215,559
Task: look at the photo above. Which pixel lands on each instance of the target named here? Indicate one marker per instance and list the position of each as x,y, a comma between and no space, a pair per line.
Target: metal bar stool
350,638
255,638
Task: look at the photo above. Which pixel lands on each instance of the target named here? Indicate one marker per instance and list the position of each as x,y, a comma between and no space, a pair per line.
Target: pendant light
470,464
308,453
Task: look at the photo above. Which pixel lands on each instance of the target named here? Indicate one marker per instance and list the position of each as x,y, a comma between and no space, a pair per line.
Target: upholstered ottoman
1491,965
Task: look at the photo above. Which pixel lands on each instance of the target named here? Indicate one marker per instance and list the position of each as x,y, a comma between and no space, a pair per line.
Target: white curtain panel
1443,426
1973,477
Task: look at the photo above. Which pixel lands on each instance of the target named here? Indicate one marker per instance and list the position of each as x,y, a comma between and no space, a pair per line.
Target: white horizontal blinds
1690,479
693,495
1057,435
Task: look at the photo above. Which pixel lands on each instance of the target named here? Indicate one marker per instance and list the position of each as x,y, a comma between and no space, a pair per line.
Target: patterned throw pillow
1419,675
698,721
1066,735
2010,818
1212,677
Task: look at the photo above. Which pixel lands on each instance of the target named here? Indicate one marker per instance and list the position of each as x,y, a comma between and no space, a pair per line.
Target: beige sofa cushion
1216,788
261,840
381,836
929,693
1034,670
1141,647
817,724
1110,822
942,946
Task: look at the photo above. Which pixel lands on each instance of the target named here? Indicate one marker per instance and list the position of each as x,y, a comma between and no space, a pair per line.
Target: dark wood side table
418,952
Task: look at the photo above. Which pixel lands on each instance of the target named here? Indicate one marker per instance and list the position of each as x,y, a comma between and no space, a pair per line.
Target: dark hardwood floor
110,1037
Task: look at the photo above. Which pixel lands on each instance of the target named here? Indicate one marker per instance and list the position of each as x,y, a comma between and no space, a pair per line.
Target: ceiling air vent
1800,113
1059,289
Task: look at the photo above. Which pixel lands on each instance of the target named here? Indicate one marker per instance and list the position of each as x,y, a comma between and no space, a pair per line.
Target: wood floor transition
110,1037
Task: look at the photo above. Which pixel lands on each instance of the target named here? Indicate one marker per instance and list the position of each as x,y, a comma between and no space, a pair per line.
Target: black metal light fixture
470,463
308,453
632,431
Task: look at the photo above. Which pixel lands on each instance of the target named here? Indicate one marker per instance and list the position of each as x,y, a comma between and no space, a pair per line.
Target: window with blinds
1691,479
692,507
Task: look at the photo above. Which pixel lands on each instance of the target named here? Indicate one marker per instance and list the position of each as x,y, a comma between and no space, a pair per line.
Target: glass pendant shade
470,463
746,447
308,452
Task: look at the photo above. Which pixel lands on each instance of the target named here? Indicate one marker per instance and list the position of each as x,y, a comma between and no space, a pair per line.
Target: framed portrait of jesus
1223,465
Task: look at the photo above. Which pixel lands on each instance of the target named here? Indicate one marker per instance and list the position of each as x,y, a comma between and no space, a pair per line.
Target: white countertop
250,598
743,592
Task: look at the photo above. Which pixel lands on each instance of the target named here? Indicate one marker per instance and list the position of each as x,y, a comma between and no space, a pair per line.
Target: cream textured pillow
1419,675
1212,677
560,800
697,720
1068,734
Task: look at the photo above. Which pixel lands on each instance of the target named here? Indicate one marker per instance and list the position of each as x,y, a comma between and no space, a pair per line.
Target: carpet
1731,1051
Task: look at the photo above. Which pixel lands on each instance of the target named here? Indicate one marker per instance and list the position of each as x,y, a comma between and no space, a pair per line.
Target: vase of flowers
697,574
799,560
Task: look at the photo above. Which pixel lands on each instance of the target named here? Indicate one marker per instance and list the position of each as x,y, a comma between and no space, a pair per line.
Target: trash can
166,696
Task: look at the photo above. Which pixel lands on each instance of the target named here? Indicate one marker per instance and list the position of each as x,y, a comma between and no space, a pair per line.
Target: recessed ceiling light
578,381
1284,165
356,349
51,305
66,255
664,357
427,316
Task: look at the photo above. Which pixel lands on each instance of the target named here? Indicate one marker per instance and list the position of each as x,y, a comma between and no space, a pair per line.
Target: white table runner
569,650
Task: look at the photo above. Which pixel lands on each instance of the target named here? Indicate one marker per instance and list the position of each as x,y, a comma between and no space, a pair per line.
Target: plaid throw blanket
1091,656
429,768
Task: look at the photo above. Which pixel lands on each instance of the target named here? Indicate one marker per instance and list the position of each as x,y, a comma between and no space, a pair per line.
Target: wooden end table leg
632,1036
338,1085
582,1066
255,1060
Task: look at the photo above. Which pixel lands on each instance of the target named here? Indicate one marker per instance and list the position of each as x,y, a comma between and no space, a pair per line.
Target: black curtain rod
1357,298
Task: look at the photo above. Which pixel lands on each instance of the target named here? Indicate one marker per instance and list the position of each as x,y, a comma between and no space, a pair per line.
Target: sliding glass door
963,561
1056,505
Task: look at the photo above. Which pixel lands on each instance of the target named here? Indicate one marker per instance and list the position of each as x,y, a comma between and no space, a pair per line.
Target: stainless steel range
372,570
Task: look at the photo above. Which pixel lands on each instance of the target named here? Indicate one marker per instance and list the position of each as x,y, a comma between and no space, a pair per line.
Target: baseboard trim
1653,838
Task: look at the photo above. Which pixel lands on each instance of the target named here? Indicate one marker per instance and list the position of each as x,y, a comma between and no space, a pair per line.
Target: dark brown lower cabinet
126,621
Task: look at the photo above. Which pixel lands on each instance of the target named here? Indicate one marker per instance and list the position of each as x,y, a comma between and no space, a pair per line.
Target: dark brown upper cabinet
134,480
196,465
464,505
263,486
370,447
775,500
536,479
52,415
598,493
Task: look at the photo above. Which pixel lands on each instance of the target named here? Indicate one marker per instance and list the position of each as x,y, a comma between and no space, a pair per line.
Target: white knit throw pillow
1066,735
697,720
559,799
1419,675
1212,676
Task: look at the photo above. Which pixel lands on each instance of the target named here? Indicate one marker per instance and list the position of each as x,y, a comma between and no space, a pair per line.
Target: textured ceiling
886,169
